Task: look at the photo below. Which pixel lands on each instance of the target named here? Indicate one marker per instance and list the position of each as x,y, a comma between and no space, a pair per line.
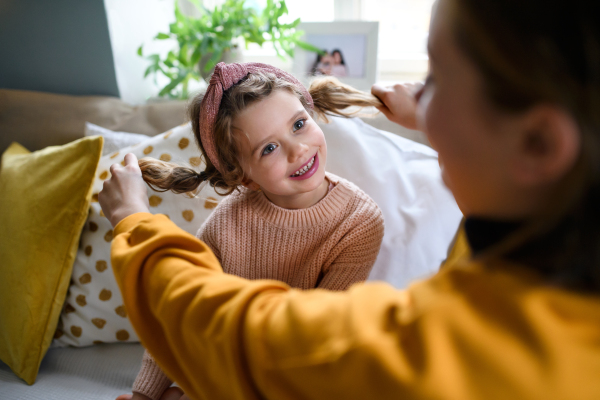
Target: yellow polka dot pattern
105,295
210,203
121,311
188,215
183,143
101,265
99,322
154,201
195,161
94,312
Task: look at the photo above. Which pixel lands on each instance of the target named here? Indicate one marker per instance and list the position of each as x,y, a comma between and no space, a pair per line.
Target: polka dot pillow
93,311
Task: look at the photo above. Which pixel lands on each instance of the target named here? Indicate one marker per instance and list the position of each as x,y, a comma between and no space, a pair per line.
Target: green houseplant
203,41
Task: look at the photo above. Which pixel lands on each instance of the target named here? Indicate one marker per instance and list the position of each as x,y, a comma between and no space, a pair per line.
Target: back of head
536,52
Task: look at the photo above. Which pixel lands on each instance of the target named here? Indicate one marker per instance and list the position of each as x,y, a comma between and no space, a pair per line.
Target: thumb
130,159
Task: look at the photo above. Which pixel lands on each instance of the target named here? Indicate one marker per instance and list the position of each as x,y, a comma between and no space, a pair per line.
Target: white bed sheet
100,372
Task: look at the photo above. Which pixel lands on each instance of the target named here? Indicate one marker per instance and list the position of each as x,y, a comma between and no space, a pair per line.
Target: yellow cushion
44,200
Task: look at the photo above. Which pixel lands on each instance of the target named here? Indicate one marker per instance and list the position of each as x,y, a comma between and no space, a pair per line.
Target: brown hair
534,52
329,95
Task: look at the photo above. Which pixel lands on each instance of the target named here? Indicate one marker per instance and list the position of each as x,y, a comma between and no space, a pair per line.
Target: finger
378,90
130,159
113,167
415,87
124,397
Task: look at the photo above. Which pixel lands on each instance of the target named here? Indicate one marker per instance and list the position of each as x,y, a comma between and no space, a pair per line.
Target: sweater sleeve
221,336
357,251
151,381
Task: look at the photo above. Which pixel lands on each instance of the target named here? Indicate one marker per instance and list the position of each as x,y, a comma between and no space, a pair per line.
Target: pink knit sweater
330,245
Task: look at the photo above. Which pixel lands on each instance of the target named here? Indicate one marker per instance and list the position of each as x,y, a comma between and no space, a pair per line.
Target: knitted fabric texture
224,77
330,245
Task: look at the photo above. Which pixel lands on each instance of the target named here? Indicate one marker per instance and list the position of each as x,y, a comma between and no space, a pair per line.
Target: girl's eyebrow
292,120
298,113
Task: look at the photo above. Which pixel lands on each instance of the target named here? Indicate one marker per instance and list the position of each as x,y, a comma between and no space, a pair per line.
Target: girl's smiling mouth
307,170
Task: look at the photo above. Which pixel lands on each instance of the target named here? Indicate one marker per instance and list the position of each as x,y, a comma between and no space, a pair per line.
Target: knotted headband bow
224,77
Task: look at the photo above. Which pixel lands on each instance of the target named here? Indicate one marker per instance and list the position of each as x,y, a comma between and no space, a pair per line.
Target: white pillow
93,310
403,177
113,141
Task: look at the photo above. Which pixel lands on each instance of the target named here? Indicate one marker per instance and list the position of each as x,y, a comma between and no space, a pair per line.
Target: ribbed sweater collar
335,201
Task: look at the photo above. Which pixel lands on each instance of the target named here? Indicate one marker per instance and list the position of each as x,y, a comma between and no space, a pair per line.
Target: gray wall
57,46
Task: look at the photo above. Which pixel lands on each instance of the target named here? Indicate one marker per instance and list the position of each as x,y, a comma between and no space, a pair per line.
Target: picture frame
355,43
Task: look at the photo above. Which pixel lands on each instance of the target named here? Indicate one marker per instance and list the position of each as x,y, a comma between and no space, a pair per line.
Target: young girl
284,218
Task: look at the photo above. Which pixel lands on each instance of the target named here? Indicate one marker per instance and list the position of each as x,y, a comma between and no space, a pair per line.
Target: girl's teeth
303,170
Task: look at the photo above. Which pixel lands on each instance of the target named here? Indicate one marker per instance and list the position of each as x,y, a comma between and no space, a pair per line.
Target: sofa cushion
44,200
94,311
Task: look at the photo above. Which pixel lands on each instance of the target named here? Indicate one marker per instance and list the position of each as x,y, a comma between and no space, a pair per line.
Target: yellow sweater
469,332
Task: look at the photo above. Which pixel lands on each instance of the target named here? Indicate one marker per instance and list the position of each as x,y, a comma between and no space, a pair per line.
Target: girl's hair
541,51
330,97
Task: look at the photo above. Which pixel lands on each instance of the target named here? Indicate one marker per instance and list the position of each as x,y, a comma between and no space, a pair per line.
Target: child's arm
206,234
151,381
357,252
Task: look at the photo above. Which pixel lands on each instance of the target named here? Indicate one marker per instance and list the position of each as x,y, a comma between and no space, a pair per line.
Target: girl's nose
297,151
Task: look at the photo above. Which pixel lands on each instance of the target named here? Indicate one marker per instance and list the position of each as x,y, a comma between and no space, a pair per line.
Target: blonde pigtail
163,176
332,97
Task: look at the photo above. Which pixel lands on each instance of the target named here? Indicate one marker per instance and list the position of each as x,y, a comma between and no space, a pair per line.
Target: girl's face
475,141
283,151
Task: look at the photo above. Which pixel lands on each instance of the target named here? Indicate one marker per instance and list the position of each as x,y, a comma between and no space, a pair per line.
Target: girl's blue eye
269,149
299,124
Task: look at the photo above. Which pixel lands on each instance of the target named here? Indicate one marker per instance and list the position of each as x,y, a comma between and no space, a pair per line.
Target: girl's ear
250,184
549,144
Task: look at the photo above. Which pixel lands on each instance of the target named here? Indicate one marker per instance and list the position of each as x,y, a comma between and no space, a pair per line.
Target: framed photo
350,52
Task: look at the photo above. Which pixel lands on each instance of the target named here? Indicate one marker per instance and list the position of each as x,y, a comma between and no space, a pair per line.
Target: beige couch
37,120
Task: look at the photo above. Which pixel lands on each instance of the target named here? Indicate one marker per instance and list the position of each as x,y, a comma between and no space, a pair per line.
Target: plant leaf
308,47
168,88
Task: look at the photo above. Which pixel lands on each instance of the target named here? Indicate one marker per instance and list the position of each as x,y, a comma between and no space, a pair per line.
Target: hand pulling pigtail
332,97
163,176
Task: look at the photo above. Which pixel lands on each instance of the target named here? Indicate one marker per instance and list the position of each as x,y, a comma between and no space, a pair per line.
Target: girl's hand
125,192
134,396
400,102
172,393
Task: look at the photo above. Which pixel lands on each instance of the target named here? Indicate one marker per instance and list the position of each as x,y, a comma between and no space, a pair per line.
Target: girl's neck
302,200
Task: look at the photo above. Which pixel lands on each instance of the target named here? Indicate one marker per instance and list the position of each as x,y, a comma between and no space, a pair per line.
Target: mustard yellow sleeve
223,337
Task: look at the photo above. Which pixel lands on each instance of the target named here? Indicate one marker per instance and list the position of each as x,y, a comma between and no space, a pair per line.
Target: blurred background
91,47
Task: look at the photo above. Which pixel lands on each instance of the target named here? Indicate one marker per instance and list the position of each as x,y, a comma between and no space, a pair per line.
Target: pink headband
224,77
